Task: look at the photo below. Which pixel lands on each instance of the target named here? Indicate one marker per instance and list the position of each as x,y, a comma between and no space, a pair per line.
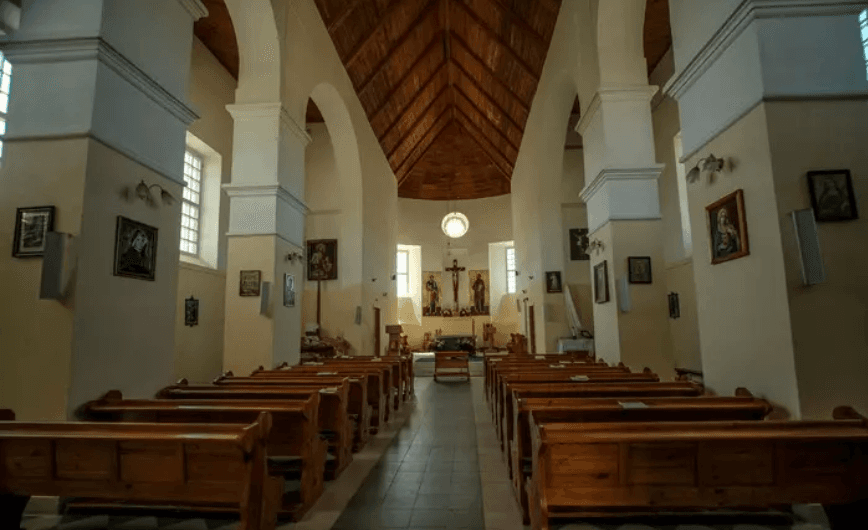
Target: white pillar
96,108
266,222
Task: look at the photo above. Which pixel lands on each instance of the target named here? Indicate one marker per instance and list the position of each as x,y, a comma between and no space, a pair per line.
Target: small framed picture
322,260
31,225
191,312
601,283
639,269
727,228
288,290
674,307
553,282
579,244
135,249
832,195
250,283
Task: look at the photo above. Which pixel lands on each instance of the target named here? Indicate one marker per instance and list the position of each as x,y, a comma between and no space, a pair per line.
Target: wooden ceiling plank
487,154
394,90
460,114
490,72
405,138
496,37
415,97
485,118
339,19
400,42
418,119
516,19
400,166
409,170
354,53
490,99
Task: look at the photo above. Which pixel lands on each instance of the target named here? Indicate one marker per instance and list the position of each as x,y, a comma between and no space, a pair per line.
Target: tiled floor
429,476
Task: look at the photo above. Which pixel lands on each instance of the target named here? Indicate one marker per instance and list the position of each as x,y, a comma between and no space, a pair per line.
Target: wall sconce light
710,164
530,277
294,256
143,192
394,276
596,245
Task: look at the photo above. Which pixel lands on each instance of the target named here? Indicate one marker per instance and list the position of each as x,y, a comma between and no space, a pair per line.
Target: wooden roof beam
349,7
471,127
487,154
490,99
394,90
400,42
516,19
488,70
422,115
413,100
485,118
499,40
433,141
439,119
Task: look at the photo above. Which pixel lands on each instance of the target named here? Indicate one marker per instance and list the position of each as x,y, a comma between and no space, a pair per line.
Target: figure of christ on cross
455,269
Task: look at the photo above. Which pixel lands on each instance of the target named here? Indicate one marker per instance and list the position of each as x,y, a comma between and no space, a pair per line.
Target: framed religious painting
727,228
135,249
191,312
322,259
832,195
250,283
31,225
601,283
639,269
579,244
553,282
288,290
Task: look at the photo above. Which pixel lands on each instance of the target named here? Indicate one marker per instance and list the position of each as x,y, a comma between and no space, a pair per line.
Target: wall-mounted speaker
358,315
264,298
624,302
58,263
808,241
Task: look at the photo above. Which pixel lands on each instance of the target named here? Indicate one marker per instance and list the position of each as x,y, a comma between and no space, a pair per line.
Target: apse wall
419,224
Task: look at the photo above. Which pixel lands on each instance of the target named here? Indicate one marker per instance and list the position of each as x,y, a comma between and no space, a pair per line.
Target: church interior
457,264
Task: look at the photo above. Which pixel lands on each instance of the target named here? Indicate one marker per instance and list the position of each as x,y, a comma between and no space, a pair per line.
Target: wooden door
377,333
532,327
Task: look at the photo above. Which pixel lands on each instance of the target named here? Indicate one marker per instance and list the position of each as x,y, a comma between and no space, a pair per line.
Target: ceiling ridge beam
497,38
516,19
417,121
477,130
404,141
486,119
400,42
349,7
413,100
489,98
486,153
394,90
409,170
426,135
491,72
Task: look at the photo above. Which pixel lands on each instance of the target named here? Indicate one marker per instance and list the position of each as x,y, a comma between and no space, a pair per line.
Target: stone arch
620,27
259,50
336,212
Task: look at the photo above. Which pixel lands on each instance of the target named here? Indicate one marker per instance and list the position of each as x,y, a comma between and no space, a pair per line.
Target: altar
456,342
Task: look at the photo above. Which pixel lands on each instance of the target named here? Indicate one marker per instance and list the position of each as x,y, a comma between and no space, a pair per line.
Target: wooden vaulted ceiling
446,84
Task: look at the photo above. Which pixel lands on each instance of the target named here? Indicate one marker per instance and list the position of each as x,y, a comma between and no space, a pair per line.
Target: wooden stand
451,359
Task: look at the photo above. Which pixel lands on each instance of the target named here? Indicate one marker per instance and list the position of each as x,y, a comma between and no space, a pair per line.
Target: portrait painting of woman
727,228
135,249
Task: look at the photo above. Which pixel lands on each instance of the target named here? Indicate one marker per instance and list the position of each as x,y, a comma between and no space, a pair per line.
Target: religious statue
488,331
433,295
479,294
455,269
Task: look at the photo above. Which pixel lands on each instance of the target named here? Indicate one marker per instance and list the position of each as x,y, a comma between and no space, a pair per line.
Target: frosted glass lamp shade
455,225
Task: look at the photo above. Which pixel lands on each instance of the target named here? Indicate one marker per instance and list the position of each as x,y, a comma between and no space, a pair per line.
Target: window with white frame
191,206
403,274
510,270
863,30
5,86
683,205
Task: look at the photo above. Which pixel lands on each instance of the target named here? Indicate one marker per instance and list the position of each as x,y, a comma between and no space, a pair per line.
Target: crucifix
455,269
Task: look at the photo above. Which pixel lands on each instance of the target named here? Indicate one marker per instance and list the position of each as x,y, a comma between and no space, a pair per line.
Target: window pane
402,262
190,211
2,127
403,285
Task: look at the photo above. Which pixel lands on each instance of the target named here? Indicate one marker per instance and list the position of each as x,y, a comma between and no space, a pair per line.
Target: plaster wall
829,320
575,215
697,22
743,305
199,349
607,339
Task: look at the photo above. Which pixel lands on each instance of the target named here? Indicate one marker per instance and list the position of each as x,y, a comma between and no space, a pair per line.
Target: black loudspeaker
58,263
264,298
808,241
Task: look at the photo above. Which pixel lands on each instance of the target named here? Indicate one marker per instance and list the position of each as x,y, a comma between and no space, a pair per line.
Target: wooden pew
193,466
503,394
501,371
405,363
743,407
329,406
372,381
491,363
588,469
380,397
294,447
390,376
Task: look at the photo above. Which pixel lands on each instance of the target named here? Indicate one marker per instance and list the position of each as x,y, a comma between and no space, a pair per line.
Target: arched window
863,29
5,85
510,270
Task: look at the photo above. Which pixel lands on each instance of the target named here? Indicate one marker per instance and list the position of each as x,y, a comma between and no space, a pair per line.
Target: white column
266,222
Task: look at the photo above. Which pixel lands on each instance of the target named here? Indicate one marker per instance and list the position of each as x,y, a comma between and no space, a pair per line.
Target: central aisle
429,476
